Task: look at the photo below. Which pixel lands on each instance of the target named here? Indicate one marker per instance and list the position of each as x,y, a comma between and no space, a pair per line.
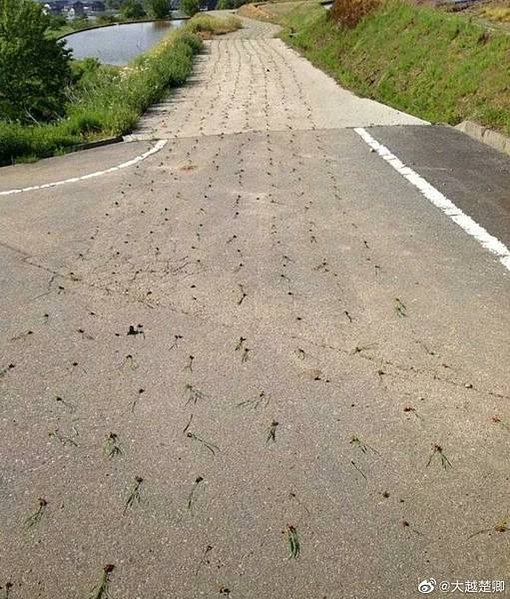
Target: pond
118,44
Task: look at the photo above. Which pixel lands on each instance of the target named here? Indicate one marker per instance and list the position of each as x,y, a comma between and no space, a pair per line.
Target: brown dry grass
496,11
254,11
350,12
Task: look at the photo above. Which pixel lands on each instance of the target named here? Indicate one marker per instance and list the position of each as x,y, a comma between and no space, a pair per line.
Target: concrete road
259,362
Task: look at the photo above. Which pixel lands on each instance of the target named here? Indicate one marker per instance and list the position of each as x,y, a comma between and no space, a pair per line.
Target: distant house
54,8
77,9
97,6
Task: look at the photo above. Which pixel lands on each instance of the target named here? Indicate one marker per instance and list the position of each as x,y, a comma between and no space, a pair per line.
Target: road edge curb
492,138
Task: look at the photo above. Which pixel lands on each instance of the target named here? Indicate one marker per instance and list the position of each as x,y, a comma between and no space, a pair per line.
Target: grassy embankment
439,66
107,101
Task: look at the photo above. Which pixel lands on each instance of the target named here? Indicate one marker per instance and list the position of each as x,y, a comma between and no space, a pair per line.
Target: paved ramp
253,82
260,363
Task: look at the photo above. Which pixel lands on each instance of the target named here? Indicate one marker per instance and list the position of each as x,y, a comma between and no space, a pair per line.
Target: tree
158,9
131,9
190,7
34,70
56,22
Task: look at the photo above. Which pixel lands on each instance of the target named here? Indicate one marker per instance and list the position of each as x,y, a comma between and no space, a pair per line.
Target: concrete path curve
260,363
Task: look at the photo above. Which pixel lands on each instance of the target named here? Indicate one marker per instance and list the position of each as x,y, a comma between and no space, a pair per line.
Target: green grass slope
439,66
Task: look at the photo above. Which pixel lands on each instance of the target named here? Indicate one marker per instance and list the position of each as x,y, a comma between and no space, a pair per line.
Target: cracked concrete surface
279,332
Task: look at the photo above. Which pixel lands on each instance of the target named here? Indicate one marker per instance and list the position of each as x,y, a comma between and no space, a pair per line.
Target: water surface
118,44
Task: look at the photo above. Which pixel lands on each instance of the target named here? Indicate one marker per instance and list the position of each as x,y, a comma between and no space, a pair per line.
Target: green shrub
132,9
34,70
158,9
107,19
190,7
105,101
80,23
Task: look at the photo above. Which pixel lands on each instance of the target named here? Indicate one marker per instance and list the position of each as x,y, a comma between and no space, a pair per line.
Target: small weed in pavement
35,518
361,348
187,425
243,295
134,496
136,330
301,354
65,403
271,435
208,445
294,542
22,336
189,364
293,496
130,362
411,410
380,374
85,335
192,394
502,423
135,401
177,338
101,590
240,344
192,496
111,447
74,366
501,527
261,401
6,369
406,524
61,439
203,559
361,445
353,463
400,308
437,450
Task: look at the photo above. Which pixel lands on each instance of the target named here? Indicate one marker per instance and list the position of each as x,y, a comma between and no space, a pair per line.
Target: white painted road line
488,241
159,145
